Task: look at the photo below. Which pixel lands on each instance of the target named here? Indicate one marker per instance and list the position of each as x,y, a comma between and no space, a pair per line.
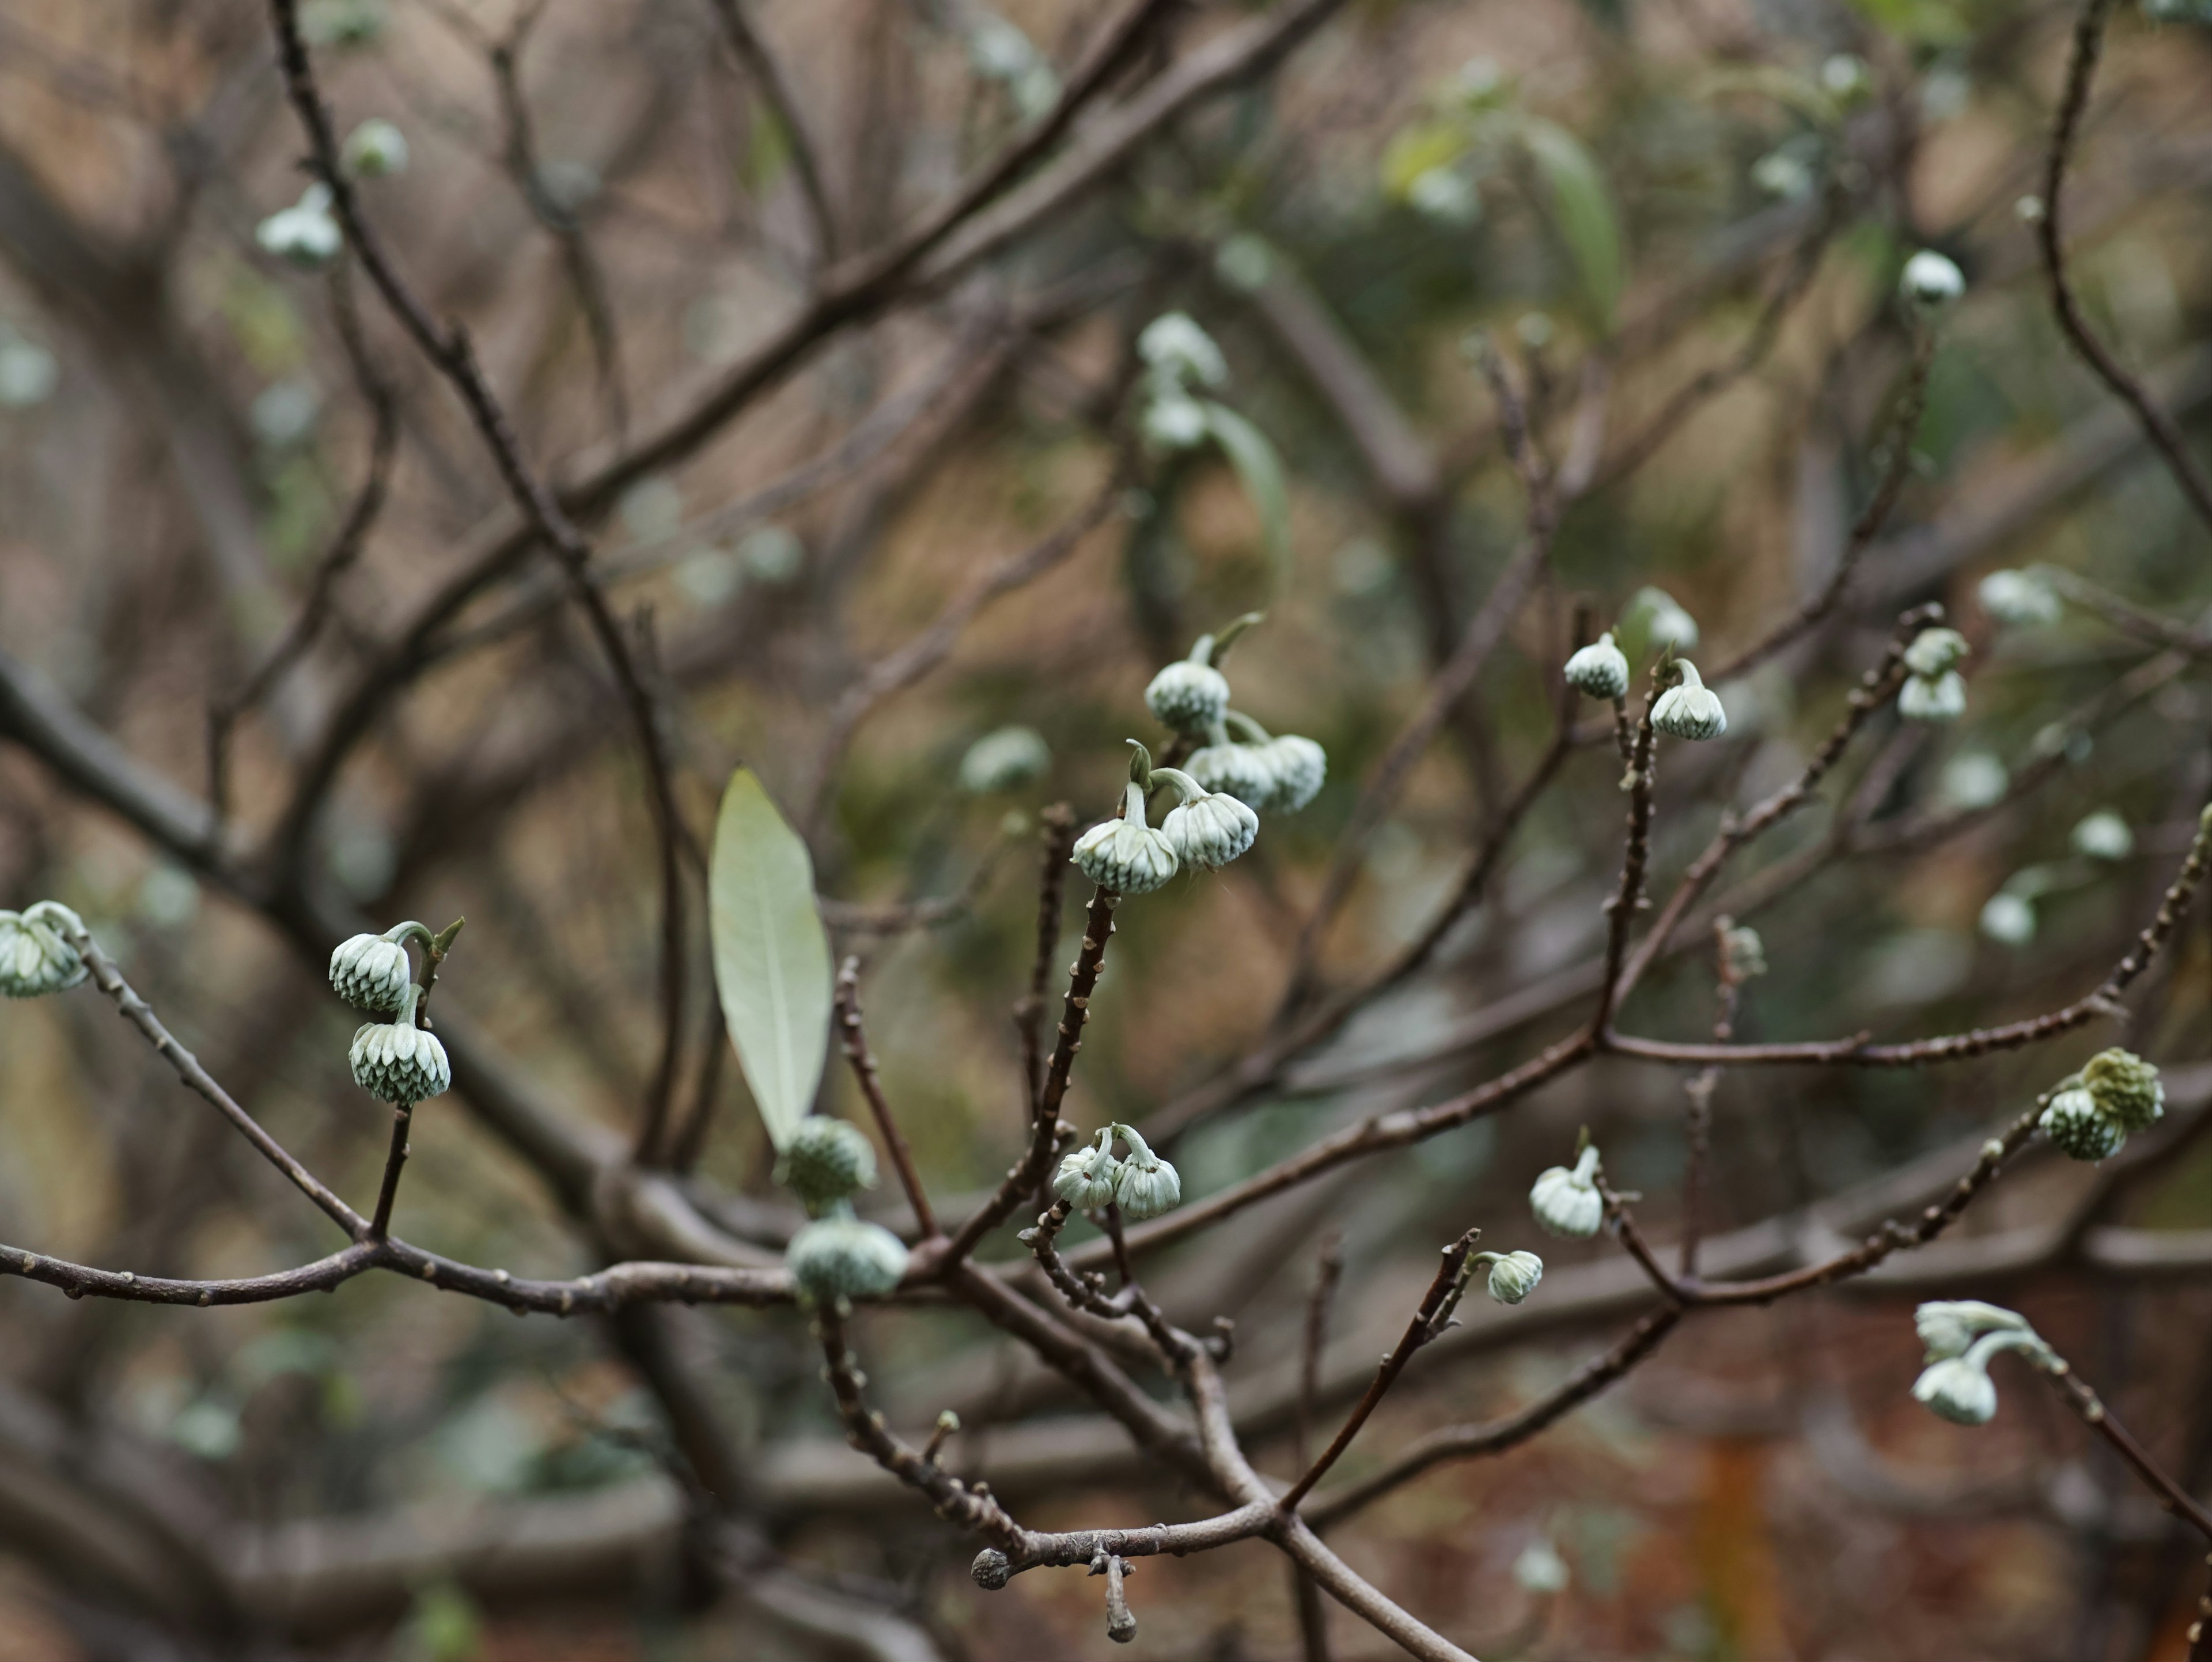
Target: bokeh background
1680,224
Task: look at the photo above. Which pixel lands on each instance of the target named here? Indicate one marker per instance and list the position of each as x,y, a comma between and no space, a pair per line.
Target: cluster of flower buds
304,234
1142,1184
2092,1112
1178,355
1688,709
36,956
1566,1202
393,1060
1239,759
1961,1336
1206,829
839,1257
1935,691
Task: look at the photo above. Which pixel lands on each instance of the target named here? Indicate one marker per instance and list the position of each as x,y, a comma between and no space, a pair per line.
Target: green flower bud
838,1257
1514,1275
1941,698
2079,1128
2126,1088
1935,650
371,973
826,1161
1188,696
1086,1177
1567,1203
397,1061
1949,1327
1690,710
1146,1185
1599,670
35,955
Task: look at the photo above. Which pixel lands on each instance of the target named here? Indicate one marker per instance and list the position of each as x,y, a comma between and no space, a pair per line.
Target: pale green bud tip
1599,670
36,956
1931,283
1004,758
1691,710
2126,1088
1566,1202
840,1257
1187,696
826,1161
1513,1276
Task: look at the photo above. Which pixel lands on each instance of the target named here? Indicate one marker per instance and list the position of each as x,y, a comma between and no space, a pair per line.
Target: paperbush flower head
2009,918
2079,1128
1939,698
2126,1088
1957,1386
1176,349
1743,954
1514,1275
1541,1569
1948,1327
303,235
1239,771
2020,597
1086,1177
1690,710
1126,855
375,149
1566,1202
1207,828
1600,670
827,1160
371,973
1002,759
1300,767
2103,835
1935,650
1930,282
35,955
1957,1389
1189,695
839,1257
396,1061
1665,622
1146,1185
1172,420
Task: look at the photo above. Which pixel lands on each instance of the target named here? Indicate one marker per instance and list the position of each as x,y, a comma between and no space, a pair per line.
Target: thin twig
853,1039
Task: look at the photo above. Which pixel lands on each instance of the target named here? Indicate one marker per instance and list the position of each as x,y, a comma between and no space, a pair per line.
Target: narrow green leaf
1582,210
1260,470
771,953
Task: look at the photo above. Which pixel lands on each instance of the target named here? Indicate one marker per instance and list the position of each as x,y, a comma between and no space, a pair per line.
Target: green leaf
771,953
1582,210
1413,151
1260,470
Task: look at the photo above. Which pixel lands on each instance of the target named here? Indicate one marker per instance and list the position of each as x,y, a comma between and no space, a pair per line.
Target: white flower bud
1974,779
1211,829
2008,919
1566,1202
1086,1177
1172,420
1146,1185
371,973
2020,597
35,955
1948,1327
1690,710
1541,1569
1665,622
1300,768
2126,1088
1743,954
839,1257
1600,670
375,149
1243,771
1188,696
999,761
1930,282
1944,698
827,1160
2104,835
1935,650
1126,855
1959,1391
303,235
1179,350
1514,1275
2081,1130
397,1060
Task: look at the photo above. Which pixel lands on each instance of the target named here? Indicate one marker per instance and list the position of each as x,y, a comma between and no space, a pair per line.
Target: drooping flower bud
1930,282
35,955
2009,918
1948,1327
1207,828
1514,1275
2079,1128
1086,1176
1665,622
1690,710
1566,1202
1172,420
375,149
1002,759
1935,650
1126,855
1540,1568
2103,835
396,1061
839,1257
1600,670
1743,954
1178,350
371,973
1189,695
303,235
827,1160
2020,597
1956,1389
1146,1185
1940,698
1958,1386
1242,771
1300,767
2126,1088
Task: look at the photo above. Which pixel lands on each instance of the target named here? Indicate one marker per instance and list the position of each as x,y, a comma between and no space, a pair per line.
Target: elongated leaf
1260,470
1582,208
771,953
